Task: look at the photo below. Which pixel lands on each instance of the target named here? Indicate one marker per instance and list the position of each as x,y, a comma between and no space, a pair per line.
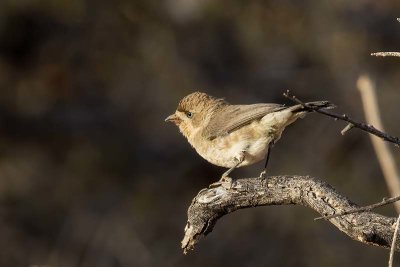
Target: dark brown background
90,175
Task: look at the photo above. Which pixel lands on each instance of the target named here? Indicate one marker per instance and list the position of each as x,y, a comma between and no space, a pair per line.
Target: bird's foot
225,182
263,173
214,185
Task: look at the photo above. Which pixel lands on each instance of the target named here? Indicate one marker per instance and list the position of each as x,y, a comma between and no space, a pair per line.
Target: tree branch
386,54
212,203
365,127
384,202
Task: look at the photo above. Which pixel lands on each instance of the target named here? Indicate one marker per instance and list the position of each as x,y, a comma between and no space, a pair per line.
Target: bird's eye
189,114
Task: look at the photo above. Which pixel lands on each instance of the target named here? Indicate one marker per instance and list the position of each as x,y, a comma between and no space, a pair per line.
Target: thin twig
386,54
384,202
365,127
347,128
393,246
382,150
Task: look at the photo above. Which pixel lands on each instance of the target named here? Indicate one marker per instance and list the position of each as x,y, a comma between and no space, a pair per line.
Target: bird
234,136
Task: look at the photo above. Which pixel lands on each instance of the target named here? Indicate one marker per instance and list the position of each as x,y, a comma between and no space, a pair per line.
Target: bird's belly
256,151
224,151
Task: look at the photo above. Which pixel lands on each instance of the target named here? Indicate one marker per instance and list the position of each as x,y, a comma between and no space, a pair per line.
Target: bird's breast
252,140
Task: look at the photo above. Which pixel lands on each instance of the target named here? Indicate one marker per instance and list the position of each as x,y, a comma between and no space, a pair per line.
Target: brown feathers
232,117
233,135
198,101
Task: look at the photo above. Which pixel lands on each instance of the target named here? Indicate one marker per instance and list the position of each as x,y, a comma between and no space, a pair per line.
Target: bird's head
193,112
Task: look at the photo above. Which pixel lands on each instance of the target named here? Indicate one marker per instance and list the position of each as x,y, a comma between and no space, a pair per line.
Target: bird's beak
173,118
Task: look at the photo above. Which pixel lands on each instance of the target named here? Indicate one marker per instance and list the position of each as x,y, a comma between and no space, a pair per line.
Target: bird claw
214,185
263,173
225,181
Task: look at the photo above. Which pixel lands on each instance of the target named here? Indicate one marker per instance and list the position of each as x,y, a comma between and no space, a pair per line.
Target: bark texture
210,204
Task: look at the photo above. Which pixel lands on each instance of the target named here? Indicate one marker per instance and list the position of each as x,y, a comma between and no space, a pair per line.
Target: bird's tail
315,104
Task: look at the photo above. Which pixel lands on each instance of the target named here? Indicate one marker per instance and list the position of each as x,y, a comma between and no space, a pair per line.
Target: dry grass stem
382,150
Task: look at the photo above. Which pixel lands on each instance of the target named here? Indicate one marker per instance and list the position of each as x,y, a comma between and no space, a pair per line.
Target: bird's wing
232,117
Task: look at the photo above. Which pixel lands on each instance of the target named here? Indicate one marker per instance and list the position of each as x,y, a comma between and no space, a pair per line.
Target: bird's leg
270,145
224,176
239,160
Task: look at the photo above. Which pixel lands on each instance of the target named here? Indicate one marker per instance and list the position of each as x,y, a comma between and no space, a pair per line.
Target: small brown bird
233,136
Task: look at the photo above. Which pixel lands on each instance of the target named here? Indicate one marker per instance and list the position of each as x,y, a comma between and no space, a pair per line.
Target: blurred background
91,175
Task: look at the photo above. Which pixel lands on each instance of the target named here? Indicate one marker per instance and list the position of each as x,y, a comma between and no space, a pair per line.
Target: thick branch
212,203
